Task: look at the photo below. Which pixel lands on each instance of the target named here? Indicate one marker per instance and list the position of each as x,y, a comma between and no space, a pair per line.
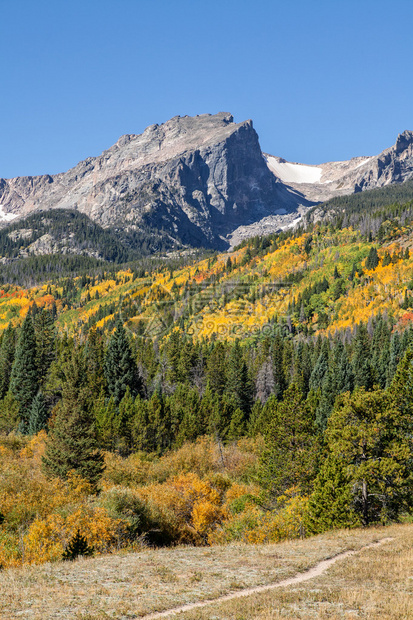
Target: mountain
198,181
196,178
338,178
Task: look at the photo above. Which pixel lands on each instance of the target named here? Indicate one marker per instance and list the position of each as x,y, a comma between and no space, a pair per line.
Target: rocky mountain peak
197,178
403,141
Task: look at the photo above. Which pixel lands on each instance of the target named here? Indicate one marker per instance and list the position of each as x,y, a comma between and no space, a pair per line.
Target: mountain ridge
202,181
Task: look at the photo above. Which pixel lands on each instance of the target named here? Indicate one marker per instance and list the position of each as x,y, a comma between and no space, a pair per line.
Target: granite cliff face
197,178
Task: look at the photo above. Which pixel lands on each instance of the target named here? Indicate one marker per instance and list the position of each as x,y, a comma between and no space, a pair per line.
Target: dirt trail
317,570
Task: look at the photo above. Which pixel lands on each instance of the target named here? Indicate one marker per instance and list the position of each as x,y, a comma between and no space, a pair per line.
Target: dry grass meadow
375,583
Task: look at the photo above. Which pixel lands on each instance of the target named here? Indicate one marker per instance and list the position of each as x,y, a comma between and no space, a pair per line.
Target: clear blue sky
321,79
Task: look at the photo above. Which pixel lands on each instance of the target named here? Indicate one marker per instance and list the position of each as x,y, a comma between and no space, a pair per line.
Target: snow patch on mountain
293,173
6,217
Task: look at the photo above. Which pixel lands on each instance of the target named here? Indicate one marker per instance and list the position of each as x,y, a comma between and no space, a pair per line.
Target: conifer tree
331,502
45,343
373,259
363,372
120,369
237,425
7,350
140,430
24,383
94,353
369,435
216,369
107,422
38,415
238,380
71,444
320,369
342,370
289,459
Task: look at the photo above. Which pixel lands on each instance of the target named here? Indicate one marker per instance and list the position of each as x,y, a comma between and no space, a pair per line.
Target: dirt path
317,570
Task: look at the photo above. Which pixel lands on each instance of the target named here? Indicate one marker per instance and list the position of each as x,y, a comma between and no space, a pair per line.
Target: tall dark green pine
238,381
45,342
395,356
94,353
38,415
120,369
24,382
320,369
71,444
290,456
216,369
372,259
363,371
343,370
331,502
7,350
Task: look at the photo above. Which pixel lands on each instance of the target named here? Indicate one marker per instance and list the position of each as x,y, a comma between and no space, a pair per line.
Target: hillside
318,281
374,582
212,401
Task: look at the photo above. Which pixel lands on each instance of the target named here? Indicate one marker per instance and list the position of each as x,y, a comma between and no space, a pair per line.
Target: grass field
374,583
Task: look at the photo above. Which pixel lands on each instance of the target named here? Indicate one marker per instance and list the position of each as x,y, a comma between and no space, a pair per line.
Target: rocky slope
197,178
325,181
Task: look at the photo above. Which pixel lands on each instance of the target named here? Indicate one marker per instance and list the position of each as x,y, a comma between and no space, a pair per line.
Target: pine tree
373,259
237,425
94,353
7,350
289,459
372,438
38,415
216,369
24,383
71,444
77,546
108,423
120,369
238,380
320,369
140,430
343,370
331,502
45,343
363,371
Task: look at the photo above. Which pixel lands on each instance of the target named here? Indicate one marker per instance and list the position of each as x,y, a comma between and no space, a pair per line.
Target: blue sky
321,79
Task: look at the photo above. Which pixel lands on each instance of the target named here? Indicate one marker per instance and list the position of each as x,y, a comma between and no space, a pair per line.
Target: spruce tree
289,459
238,380
72,444
38,415
45,343
120,369
7,350
24,383
94,353
216,369
320,369
373,259
363,371
331,502
76,547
